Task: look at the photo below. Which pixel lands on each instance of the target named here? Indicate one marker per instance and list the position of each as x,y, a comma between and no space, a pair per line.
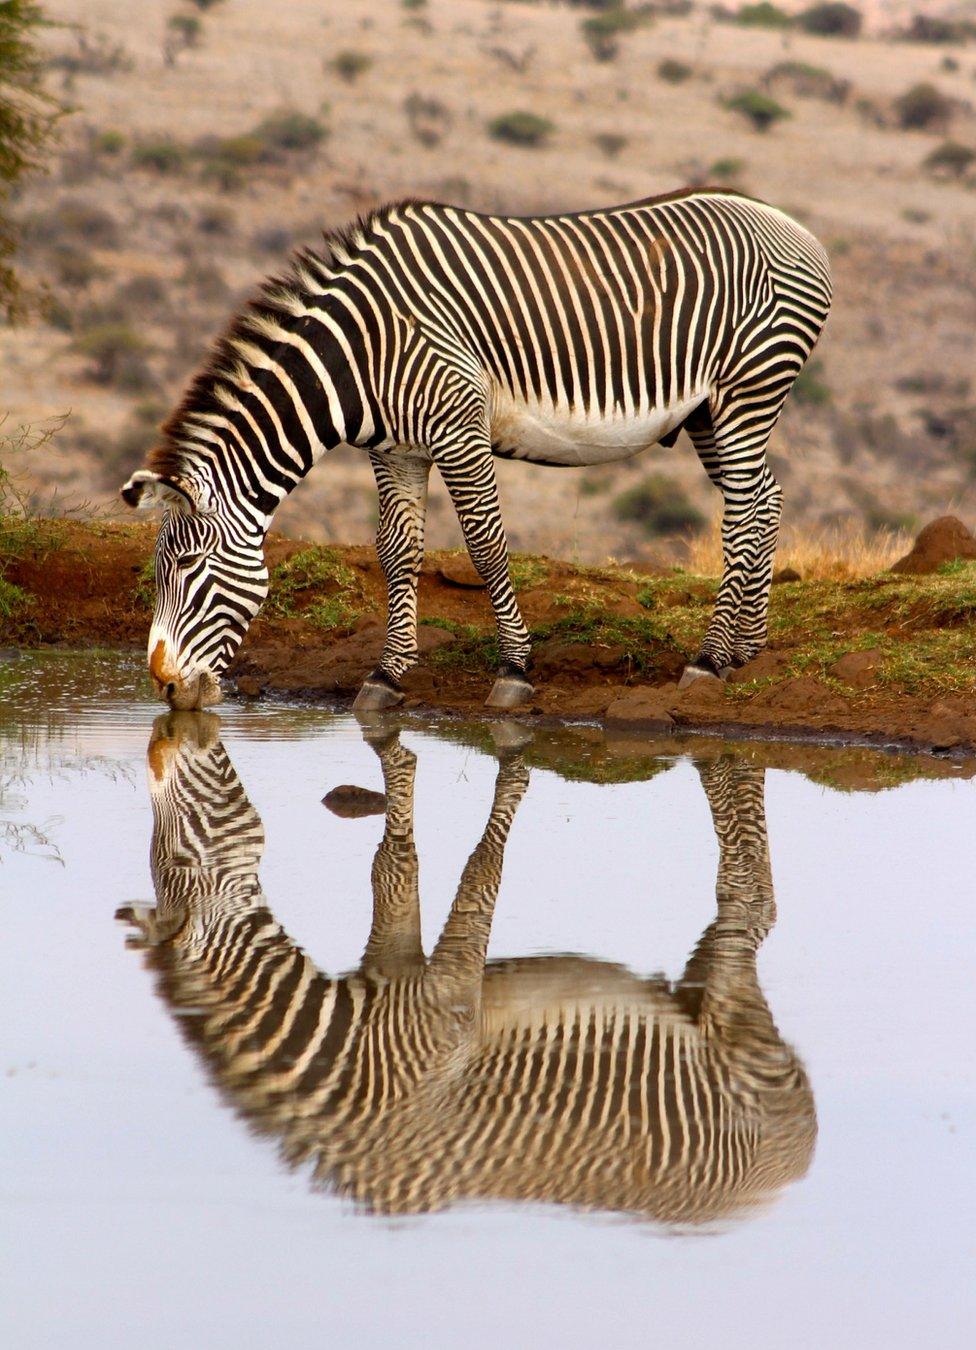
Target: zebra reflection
422,1080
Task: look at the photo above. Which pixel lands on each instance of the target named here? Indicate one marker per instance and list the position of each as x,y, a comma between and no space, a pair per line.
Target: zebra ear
146,489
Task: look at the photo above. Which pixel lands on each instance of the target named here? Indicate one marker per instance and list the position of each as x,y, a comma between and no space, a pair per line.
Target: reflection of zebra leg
721,976
394,947
463,944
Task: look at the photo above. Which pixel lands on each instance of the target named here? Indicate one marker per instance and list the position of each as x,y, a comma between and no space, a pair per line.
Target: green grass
12,599
145,589
527,571
303,575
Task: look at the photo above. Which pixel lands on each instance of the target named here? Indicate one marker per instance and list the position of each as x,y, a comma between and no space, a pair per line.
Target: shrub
108,142
602,32
807,81
116,355
758,108
75,267
521,128
724,169
349,65
810,389
186,28
609,143
429,119
950,160
831,20
674,72
75,220
659,506
924,28
163,156
763,15
287,130
922,108
94,54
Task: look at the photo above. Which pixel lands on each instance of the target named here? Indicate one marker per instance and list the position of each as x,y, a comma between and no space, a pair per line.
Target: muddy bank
888,659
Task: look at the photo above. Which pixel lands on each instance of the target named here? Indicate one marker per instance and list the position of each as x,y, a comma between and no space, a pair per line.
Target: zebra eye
190,559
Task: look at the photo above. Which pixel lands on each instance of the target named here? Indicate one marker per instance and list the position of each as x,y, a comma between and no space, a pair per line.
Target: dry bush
521,128
923,108
429,119
93,54
349,65
807,81
831,20
838,552
658,505
950,160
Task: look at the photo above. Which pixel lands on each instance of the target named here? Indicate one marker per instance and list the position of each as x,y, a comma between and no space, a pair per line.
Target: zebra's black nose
170,692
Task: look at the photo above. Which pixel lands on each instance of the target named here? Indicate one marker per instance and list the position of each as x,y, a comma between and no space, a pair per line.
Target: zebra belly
543,434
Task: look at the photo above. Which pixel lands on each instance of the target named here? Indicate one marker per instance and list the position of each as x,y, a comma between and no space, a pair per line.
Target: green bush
724,169
602,32
187,28
521,128
163,156
758,108
763,15
950,159
674,72
288,130
810,389
831,20
349,65
609,143
108,142
659,506
922,108
117,356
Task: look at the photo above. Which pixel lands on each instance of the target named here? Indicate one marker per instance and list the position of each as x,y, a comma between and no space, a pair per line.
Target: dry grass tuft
819,553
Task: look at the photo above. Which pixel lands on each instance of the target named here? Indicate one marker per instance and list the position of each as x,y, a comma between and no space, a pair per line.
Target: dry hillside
205,140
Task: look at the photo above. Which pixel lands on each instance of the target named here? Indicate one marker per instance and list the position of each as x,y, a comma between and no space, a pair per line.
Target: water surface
575,1042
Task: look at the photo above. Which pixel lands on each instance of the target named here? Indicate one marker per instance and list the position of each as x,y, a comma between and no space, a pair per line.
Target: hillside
203,144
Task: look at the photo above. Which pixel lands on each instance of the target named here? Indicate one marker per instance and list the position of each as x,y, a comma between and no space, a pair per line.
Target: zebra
418,1081
431,334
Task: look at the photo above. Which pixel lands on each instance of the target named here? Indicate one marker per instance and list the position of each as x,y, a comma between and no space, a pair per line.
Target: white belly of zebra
544,434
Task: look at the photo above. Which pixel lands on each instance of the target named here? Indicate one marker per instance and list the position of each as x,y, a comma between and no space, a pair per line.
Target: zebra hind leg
401,482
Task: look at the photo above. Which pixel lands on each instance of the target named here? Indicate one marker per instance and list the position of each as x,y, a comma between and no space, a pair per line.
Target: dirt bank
890,659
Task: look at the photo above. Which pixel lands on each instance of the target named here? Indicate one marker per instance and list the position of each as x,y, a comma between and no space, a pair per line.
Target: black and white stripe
417,1081
428,334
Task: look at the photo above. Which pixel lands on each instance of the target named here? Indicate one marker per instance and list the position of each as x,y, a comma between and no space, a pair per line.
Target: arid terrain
201,144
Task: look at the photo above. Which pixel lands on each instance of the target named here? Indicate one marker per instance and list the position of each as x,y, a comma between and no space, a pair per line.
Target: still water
560,1041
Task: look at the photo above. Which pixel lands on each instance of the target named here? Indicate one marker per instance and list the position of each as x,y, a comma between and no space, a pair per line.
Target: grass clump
762,111
659,506
527,571
288,131
318,575
521,128
164,156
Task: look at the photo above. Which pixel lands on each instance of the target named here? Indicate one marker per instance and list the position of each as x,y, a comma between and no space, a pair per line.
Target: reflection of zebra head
419,1080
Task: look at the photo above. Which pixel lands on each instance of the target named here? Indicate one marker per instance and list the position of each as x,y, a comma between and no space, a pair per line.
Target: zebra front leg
469,475
401,481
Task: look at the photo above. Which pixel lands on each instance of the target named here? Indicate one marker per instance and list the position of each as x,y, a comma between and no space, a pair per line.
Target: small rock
351,802
460,571
249,685
786,574
644,708
857,668
941,541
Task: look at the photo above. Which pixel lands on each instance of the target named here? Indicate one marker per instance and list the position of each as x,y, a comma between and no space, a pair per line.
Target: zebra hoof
510,690
694,671
376,694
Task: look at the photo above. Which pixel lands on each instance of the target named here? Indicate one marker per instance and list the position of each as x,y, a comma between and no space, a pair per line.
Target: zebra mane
308,271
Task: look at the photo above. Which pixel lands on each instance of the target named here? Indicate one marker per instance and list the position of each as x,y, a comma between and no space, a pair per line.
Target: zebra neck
287,389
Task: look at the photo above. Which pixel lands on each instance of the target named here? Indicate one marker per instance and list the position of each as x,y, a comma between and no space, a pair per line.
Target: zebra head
211,580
